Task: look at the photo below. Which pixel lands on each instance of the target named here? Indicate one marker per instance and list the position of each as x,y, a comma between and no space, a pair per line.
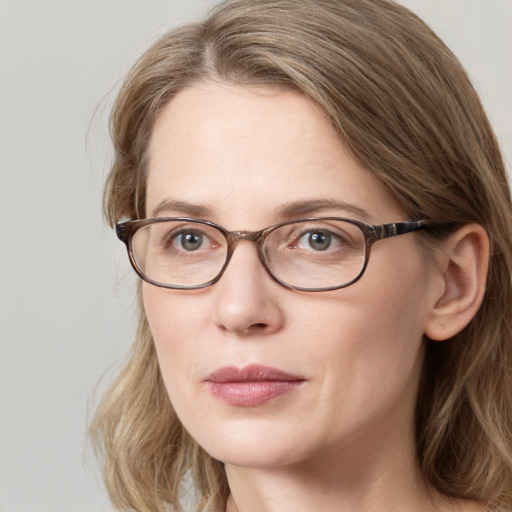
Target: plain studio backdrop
66,292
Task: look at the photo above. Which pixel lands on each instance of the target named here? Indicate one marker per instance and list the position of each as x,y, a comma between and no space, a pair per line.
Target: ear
461,274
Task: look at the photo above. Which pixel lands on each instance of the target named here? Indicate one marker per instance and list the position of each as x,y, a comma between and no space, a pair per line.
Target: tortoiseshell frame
372,233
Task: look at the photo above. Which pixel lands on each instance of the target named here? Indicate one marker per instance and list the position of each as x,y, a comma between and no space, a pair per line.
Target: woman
278,366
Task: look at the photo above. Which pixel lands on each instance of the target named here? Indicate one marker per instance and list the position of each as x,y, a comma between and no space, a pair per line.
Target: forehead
244,152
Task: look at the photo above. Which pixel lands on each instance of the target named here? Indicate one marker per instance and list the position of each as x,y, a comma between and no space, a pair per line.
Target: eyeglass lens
308,254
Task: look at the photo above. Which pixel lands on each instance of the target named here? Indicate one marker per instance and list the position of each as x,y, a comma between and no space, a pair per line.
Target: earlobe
463,263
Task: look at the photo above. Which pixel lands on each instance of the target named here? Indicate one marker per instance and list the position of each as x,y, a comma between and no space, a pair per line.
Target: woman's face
322,373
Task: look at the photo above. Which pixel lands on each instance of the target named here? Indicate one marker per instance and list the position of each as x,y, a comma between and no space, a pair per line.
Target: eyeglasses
315,254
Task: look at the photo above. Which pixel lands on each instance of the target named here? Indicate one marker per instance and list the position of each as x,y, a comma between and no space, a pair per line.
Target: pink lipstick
252,385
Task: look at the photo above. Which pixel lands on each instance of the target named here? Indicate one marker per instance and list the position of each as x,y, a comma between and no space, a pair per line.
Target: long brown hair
403,105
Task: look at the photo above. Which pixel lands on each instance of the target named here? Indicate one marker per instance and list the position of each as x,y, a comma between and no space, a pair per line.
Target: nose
247,297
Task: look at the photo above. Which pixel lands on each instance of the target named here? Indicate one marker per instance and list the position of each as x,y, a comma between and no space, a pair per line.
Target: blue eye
189,240
318,240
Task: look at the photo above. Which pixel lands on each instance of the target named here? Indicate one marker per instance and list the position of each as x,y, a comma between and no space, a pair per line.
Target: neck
365,477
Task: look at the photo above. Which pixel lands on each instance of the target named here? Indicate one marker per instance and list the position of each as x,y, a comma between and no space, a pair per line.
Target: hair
405,108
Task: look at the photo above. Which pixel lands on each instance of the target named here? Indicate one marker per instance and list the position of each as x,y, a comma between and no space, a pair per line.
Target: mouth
251,386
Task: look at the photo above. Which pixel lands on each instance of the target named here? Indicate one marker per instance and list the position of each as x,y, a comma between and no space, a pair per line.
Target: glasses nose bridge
251,236
257,237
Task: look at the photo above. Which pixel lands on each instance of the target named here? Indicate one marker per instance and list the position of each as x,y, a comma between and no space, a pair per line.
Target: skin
343,440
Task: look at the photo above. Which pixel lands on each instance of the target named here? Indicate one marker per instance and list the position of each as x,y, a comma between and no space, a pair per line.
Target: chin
255,457
249,447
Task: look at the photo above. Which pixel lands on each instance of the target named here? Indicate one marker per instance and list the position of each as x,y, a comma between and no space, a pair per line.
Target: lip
252,385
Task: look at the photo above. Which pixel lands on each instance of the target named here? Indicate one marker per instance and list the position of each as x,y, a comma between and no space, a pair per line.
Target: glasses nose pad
234,237
266,259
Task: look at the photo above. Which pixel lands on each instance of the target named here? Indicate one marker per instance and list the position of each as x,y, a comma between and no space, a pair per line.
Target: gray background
66,302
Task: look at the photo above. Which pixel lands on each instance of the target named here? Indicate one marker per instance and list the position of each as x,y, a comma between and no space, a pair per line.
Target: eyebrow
291,210
304,208
182,207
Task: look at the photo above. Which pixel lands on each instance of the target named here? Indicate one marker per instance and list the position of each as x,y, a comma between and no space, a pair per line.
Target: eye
190,240
318,240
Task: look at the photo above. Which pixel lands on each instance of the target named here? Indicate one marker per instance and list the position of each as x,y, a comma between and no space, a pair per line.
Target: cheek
369,338
366,341
176,323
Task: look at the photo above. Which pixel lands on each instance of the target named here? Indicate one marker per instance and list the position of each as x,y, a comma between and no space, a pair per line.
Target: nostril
257,327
